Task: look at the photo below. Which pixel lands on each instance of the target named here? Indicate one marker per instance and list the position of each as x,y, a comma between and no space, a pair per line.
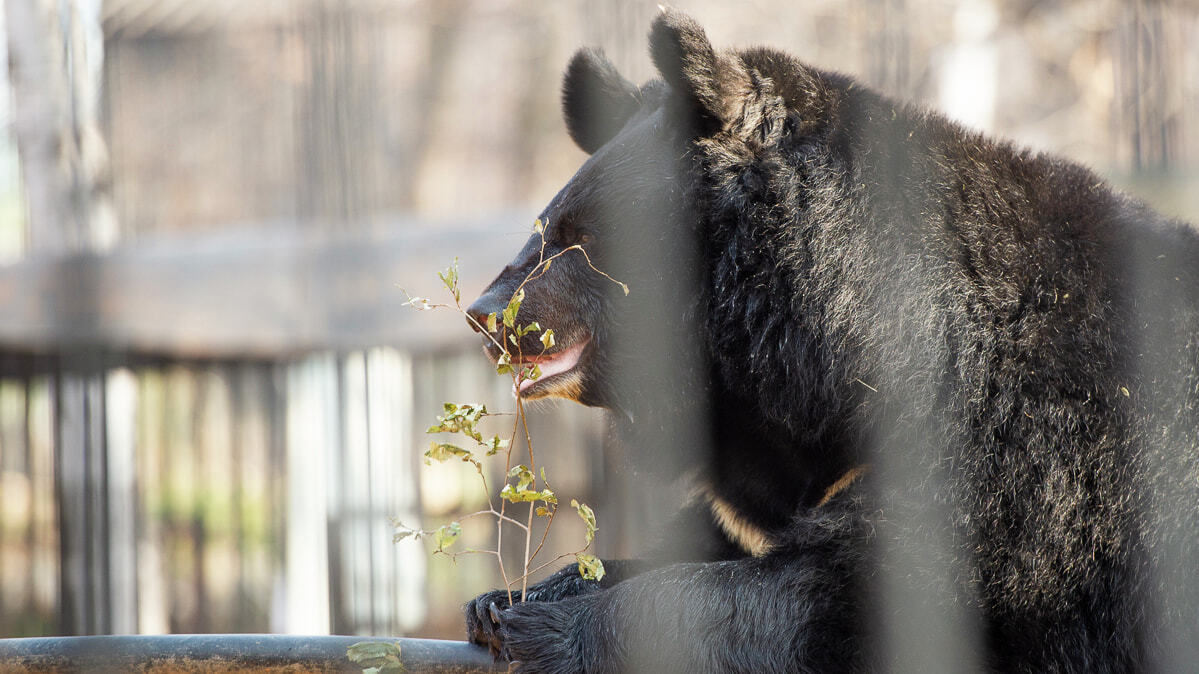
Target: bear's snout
477,312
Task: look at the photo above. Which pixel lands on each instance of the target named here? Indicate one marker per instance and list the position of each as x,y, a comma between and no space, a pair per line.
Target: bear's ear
596,100
686,60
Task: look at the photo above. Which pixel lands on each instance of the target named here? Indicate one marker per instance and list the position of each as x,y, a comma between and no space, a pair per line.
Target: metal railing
230,652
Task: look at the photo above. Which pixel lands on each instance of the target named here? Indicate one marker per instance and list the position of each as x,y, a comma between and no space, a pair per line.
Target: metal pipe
225,652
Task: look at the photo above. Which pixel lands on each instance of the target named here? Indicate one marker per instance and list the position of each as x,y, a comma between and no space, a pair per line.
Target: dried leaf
376,656
418,303
444,451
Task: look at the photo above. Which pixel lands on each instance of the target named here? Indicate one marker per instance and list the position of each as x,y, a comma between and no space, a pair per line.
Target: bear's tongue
553,364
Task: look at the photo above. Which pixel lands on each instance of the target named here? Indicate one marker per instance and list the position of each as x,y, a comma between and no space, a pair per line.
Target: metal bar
224,652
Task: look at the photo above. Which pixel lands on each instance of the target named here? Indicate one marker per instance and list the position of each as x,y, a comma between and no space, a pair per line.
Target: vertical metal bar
340,523
156,599
238,422
408,560
31,533
279,403
40,429
378,604
312,435
70,495
120,388
99,523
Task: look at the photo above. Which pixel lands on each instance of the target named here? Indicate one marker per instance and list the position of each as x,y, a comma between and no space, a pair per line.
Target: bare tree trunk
53,58
889,46
54,54
1147,85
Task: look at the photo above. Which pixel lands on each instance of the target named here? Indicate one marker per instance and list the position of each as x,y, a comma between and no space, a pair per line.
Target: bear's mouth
552,365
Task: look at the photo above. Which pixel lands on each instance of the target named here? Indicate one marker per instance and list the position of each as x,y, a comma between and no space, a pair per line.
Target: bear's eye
563,233
585,239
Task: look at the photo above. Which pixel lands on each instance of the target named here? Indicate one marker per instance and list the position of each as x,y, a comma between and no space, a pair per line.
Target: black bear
940,394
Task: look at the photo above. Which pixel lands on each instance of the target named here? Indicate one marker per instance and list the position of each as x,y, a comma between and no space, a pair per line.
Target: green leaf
514,495
446,534
524,476
532,373
590,567
538,226
547,338
588,517
491,326
460,419
404,533
510,311
449,277
495,444
444,451
379,656
503,365
542,511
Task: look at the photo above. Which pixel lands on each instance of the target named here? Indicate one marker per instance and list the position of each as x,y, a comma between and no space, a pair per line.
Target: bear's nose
477,312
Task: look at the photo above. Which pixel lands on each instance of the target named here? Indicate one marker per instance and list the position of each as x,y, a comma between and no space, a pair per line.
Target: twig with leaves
523,483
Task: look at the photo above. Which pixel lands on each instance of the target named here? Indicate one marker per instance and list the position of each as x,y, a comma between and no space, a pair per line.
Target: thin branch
545,533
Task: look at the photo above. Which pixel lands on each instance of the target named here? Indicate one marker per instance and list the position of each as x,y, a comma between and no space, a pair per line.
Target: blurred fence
211,398
149,492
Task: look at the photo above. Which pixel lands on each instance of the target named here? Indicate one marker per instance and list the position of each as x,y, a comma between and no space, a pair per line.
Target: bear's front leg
753,615
797,608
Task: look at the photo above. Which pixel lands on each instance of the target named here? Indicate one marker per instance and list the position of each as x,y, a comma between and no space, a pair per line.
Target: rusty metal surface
229,652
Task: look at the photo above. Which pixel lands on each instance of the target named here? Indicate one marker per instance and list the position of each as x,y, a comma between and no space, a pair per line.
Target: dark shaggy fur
835,279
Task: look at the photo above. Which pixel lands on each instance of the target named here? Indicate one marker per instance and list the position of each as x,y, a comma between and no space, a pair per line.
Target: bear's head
632,212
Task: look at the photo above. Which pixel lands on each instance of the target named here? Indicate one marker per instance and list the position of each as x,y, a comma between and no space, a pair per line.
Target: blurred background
211,398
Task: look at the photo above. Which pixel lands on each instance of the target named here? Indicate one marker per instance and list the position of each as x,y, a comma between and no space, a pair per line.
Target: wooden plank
262,292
